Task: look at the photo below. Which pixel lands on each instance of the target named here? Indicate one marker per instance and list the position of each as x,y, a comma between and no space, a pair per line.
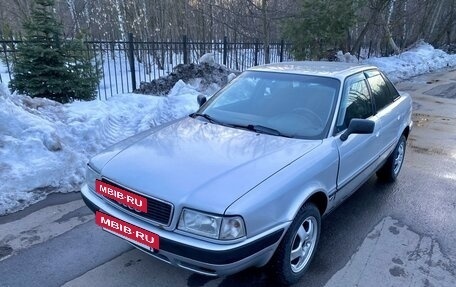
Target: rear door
384,96
358,154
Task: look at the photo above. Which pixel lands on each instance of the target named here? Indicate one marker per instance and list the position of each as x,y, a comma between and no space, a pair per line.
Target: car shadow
250,277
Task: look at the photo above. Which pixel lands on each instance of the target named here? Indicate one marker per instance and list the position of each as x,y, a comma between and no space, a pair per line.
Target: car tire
301,240
391,168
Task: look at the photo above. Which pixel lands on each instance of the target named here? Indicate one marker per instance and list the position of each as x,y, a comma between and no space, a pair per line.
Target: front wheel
390,170
298,246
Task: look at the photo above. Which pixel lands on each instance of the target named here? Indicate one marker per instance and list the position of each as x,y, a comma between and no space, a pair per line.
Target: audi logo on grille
129,207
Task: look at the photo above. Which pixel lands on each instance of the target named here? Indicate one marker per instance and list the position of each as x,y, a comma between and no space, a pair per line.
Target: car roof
318,68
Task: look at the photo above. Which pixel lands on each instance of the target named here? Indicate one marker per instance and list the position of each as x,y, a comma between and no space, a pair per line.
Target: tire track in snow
115,128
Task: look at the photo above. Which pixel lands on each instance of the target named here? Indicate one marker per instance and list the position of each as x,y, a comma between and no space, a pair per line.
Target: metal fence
125,64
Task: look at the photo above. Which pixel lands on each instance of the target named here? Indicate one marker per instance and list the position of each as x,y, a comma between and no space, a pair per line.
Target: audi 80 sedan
244,181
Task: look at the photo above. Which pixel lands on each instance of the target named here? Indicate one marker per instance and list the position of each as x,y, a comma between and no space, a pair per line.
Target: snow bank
4,76
419,60
44,145
203,75
422,59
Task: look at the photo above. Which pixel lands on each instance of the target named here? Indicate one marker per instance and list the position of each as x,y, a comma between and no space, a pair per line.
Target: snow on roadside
44,145
424,58
420,60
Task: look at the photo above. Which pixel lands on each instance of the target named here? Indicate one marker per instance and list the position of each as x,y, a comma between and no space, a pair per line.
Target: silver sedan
246,179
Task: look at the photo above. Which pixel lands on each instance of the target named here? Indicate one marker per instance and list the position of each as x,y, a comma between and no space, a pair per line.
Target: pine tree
46,66
85,77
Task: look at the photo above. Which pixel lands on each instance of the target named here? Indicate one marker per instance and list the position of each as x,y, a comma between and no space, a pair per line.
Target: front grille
157,210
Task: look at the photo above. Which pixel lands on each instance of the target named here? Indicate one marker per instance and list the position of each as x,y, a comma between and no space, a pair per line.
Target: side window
380,92
394,93
356,103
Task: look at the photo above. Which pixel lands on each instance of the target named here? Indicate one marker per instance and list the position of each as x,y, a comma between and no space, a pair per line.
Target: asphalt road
400,234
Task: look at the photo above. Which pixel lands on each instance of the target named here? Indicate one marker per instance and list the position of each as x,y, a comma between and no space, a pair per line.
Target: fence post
282,45
225,49
256,53
184,40
131,57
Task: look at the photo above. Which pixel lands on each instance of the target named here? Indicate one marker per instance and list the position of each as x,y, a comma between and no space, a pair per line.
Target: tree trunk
436,17
360,38
391,41
72,9
120,20
266,30
404,25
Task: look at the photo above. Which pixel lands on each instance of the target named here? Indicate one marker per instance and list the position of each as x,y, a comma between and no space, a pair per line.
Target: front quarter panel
278,199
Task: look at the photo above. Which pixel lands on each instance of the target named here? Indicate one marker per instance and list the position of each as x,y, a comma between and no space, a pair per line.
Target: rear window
380,91
394,93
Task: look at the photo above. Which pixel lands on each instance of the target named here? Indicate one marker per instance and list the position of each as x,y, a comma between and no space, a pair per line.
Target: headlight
91,176
200,223
212,226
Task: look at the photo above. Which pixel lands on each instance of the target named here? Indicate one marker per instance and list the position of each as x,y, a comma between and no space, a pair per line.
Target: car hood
197,164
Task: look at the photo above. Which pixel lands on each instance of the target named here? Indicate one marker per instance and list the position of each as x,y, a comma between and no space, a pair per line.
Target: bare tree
389,36
395,24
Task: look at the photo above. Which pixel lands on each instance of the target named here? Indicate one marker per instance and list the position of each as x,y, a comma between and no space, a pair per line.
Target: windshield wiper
207,117
256,128
263,130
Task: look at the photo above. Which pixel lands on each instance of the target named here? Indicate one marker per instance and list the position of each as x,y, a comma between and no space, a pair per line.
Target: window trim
390,86
360,76
373,73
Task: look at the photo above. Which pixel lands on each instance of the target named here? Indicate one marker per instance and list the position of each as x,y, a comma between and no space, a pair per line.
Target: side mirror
201,100
358,126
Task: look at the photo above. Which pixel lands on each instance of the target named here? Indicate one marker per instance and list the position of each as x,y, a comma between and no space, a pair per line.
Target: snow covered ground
420,60
44,145
424,58
4,76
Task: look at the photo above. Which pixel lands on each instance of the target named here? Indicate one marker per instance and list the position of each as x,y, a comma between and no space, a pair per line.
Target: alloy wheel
303,245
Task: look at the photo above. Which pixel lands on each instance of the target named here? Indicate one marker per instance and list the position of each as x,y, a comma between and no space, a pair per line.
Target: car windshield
282,104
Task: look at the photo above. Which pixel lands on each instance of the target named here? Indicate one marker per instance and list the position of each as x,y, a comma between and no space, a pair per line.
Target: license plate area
128,199
128,231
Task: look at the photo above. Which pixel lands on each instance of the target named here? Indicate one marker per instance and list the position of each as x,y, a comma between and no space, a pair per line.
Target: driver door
359,152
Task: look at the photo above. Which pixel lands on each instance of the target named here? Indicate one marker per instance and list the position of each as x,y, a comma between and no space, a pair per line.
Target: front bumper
197,255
